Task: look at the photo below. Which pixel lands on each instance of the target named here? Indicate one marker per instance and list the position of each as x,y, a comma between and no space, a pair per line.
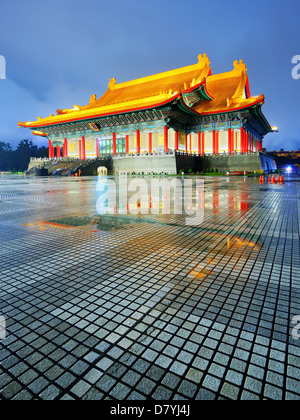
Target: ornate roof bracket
194,96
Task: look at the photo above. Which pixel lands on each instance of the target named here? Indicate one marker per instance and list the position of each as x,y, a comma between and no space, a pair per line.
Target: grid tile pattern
149,310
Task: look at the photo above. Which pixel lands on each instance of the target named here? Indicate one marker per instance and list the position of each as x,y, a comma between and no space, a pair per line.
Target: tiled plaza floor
150,310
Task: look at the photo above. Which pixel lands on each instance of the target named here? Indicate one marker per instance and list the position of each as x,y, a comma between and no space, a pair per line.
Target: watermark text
296,68
2,67
296,329
155,197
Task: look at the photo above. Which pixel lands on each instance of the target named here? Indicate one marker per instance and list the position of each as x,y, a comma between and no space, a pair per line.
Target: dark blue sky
59,53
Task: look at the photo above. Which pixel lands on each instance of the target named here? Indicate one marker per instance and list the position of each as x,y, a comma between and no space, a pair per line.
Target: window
106,146
121,146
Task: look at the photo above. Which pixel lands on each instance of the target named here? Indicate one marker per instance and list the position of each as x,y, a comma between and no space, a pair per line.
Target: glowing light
289,169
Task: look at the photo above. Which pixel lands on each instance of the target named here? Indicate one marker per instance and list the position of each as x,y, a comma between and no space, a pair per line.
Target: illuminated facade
187,109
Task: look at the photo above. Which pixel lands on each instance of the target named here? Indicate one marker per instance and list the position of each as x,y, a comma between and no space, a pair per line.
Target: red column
190,143
203,143
58,151
150,143
247,141
186,143
177,140
260,146
242,141
97,148
83,148
138,142
166,137
127,145
80,149
199,143
114,144
214,141
66,148
229,141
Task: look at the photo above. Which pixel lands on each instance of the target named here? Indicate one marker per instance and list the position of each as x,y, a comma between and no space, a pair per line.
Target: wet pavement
149,306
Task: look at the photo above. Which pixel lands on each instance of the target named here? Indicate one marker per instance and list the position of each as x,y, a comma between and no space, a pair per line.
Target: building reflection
137,198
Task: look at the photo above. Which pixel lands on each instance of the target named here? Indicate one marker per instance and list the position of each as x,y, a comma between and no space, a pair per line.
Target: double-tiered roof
184,94
193,89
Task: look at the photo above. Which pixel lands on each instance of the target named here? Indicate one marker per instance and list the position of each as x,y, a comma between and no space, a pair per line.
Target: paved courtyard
148,307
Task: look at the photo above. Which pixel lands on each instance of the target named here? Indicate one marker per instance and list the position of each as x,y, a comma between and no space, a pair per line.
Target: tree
5,155
19,159
23,154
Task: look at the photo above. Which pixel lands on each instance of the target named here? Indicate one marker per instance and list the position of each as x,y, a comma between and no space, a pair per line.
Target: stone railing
145,154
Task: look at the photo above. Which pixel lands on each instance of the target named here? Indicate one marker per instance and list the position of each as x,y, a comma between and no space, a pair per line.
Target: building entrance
106,146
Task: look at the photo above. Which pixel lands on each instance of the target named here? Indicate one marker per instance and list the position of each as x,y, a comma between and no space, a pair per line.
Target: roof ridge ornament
93,99
204,63
203,59
240,66
112,84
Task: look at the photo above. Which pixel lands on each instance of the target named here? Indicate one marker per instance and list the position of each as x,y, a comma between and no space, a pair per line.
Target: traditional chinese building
187,109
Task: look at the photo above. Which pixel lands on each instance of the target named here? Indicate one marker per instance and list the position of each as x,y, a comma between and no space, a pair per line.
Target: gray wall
172,164
146,164
239,163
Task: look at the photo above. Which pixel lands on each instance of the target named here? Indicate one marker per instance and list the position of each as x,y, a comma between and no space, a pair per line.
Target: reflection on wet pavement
146,306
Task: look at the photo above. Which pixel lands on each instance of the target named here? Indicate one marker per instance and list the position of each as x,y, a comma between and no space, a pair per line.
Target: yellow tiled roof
228,92
143,93
226,89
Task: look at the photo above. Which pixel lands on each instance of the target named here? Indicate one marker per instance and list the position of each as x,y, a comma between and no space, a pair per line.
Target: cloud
20,104
16,103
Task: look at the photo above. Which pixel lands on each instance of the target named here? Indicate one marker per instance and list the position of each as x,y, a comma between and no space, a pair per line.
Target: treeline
18,160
